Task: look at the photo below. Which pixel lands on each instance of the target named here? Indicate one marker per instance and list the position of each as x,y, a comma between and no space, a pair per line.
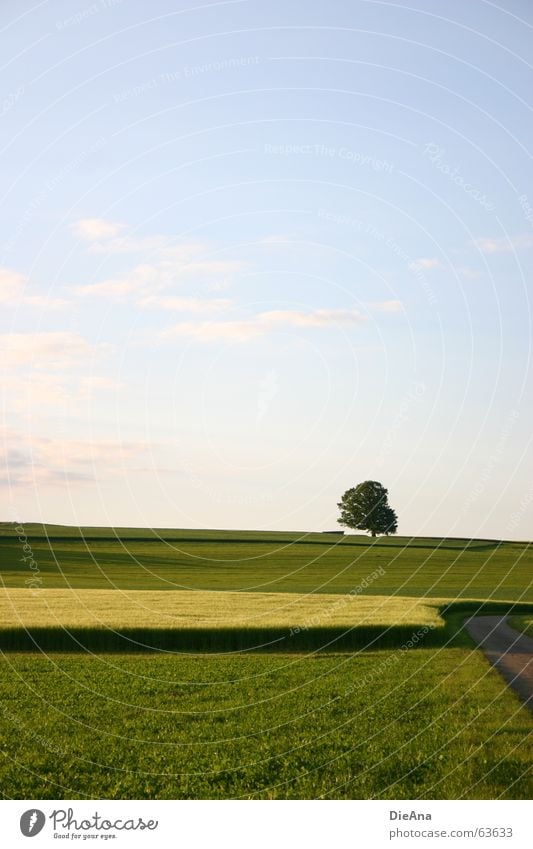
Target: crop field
137,609
279,666
397,725
114,620
253,562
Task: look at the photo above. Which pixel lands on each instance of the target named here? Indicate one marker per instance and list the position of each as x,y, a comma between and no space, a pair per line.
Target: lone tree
365,507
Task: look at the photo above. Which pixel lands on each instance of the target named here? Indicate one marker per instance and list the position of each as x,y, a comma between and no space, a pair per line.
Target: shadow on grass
274,639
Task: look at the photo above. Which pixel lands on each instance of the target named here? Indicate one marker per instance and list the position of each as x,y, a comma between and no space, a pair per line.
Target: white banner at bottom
236,824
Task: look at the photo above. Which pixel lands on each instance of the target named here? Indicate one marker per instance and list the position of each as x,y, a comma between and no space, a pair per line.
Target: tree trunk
373,533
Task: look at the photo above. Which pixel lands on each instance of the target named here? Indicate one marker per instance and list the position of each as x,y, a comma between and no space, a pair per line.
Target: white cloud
315,318
206,331
12,285
170,263
242,330
503,245
185,304
149,279
115,288
387,306
181,258
39,460
130,245
32,392
94,383
53,350
38,391
44,302
425,263
82,453
94,229
107,237
13,288
210,267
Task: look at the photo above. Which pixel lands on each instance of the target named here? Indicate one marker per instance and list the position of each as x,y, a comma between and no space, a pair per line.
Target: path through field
508,650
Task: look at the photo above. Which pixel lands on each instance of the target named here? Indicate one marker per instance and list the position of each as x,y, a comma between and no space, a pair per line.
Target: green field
268,562
370,687
398,725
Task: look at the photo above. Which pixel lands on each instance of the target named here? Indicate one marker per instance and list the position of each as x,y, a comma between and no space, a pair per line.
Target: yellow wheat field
23,608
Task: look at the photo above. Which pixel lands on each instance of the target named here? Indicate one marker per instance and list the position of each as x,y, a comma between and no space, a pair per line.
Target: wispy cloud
242,330
168,263
425,263
96,229
208,267
488,245
14,292
56,350
105,236
313,318
147,286
185,304
149,279
38,391
92,383
386,306
131,245
34,391
118,288
42,460
12,285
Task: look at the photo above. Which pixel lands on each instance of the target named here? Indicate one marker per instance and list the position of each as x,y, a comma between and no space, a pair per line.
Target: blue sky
252,254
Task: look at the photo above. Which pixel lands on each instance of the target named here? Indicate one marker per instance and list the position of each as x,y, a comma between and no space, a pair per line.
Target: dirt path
508,650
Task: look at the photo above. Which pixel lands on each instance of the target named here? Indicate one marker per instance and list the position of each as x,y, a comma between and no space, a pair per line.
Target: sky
252,254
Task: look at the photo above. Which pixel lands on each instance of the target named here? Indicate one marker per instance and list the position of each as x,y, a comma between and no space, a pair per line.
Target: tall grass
260,639
205,609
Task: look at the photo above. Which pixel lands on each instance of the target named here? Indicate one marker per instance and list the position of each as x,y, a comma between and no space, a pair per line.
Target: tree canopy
366,507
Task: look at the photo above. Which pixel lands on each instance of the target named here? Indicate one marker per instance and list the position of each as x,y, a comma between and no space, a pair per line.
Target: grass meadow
383,724
181,664
97,558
